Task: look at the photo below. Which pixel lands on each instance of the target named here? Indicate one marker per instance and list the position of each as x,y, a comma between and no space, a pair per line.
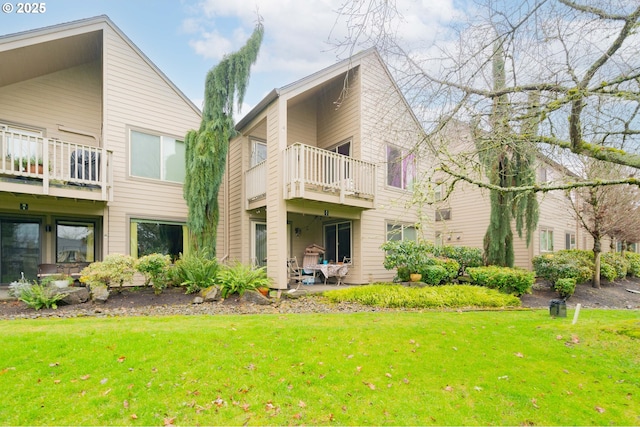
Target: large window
157,157
401,232
149,237
75,241
19,249
337,241
401,168
546,240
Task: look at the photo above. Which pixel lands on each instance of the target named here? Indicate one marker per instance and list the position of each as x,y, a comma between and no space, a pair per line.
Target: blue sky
185,38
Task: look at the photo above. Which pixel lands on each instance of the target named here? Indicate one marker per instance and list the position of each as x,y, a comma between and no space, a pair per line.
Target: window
149,237
343,148
337,241
401,168
259,244
439,239
443,214
546,240
542,175
570,240
438,192
401,232
75,241
258,152
157,157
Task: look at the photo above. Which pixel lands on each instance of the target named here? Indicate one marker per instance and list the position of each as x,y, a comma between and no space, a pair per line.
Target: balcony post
45,165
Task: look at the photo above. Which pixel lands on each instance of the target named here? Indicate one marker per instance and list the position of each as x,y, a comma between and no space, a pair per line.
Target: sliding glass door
19,249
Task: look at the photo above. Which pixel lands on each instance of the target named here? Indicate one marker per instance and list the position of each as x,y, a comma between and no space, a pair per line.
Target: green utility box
558,308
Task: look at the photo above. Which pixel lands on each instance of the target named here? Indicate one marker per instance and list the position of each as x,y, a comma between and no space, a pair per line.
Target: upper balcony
312,173
47,166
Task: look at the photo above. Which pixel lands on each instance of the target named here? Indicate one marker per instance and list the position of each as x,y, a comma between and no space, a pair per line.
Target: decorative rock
212,293
198,300
254,297
100,294
74,295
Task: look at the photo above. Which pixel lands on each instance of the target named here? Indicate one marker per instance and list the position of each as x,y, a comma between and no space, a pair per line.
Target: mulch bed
173,301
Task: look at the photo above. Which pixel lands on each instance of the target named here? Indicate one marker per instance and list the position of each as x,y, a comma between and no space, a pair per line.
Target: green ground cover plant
398,296
506,279
397,368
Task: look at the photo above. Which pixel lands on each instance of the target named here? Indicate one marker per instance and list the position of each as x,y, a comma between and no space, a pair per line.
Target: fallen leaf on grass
56,381
121,359
134,417
518,354
534,402
169,421
106,392
599,409
575,339
297,416
103,381
388,375
125,404
370,385
448,388
85,377
54,364
302,404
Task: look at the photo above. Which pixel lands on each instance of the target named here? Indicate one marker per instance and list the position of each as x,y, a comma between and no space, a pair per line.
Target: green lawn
391,368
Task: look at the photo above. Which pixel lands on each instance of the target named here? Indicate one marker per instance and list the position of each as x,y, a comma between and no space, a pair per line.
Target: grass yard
391,368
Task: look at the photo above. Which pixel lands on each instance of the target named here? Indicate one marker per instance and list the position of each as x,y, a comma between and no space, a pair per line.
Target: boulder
212,293
100,294
254,297
198,300
74,295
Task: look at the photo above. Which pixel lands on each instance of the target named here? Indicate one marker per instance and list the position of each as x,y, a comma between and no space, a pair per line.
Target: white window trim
546,230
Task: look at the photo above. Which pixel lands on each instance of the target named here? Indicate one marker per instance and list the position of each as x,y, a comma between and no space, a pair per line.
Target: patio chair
297,274
45,270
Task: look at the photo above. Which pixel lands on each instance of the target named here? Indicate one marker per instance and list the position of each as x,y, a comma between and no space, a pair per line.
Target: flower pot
37,169
264,291
415,277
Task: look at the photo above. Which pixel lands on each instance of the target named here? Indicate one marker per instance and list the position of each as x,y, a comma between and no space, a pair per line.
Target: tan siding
70,98
137,97
339,115
301,123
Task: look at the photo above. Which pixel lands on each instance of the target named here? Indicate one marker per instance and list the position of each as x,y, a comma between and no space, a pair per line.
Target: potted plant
30,164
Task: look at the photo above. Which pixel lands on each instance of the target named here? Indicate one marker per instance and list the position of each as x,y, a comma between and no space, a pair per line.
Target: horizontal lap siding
385,119
71,98
136,96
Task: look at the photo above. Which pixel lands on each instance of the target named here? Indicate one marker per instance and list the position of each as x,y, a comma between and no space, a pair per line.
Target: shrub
564,264
239,278
434,274
607,272
565,287
17,288
40,296
407,254
115,270
618,262
508,280
634,263
397,296
464,255
155,268
195,271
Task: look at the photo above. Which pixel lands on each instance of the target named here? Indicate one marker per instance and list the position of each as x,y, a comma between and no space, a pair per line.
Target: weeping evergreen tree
206,148
507,163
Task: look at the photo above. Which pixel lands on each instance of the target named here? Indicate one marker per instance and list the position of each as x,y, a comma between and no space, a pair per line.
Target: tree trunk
596,261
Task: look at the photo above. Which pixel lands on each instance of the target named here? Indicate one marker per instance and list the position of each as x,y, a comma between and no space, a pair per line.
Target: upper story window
543,175
158,157
546,240
401,167
258,152
343,148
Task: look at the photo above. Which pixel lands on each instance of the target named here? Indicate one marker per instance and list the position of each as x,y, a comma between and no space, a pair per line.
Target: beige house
106,125
462,218
327,161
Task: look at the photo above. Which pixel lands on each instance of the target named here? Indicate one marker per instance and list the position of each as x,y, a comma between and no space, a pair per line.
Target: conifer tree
206,148
508,162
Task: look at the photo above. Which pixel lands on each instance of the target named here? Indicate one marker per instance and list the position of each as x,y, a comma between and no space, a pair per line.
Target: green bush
451,266
564,264
508,280
40,296
195,271
565,287
155,268
239,278
115,270
434,274
634,263
397,296
607,272
618,262
407,254
464,255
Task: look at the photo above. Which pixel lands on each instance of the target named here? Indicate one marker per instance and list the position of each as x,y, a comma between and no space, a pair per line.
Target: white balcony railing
256,179
307,166
54,162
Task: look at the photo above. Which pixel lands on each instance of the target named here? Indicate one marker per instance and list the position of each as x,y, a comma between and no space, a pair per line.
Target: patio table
332,270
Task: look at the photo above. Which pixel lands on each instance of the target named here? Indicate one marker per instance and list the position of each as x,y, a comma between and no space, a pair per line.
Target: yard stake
575,315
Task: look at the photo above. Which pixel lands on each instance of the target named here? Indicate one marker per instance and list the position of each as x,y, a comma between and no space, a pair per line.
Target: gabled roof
64,45
318,78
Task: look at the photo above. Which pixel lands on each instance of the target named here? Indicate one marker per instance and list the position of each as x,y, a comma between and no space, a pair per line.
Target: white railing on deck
330,171
24,155
256,181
